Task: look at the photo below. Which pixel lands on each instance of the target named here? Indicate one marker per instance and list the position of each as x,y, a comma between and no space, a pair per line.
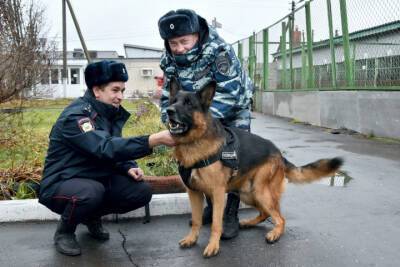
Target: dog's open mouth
176,127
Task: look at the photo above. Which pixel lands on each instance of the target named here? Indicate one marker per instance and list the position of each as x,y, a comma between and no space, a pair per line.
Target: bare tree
24,56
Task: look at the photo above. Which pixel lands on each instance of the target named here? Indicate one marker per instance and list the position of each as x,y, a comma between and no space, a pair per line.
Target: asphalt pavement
351,220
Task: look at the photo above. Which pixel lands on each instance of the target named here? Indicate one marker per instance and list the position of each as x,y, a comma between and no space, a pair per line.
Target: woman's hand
136,173
161,138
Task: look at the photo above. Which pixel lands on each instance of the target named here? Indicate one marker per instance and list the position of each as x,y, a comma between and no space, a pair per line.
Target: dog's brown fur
260,185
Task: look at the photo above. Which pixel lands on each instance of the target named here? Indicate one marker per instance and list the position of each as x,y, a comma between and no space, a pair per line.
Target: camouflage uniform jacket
213,59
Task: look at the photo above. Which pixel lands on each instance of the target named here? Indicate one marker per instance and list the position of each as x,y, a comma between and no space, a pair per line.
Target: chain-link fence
327,44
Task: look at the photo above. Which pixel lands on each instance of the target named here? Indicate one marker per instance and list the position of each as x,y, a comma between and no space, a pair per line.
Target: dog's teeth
173,125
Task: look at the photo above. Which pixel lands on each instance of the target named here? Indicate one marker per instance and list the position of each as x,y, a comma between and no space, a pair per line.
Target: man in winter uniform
89,168
195,54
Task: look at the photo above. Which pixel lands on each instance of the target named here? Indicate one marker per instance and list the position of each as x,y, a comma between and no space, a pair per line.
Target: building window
44,77
146,72
54,76
75,79
77,53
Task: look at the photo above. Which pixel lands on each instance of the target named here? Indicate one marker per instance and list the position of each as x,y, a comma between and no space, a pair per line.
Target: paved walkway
352,225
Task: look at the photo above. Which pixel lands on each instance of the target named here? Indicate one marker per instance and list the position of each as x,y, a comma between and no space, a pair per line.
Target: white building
141,62
52,86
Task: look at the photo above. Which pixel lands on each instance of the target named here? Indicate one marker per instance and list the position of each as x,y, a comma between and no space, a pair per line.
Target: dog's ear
206,94
174,87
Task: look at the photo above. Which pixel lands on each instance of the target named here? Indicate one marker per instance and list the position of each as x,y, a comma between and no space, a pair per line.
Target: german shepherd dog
261,173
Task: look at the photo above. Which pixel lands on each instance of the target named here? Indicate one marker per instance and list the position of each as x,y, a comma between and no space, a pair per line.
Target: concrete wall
365,112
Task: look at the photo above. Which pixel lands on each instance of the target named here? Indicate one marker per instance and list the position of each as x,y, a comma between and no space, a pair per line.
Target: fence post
310,78
291,28
346,44
283,53
353,63
251,57
265,59
303,64
331,44
255,58
240,53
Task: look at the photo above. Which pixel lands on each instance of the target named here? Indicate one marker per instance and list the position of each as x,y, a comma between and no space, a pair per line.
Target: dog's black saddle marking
228,155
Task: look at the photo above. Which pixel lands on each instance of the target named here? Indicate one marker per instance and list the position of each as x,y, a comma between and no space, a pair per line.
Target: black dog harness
228,155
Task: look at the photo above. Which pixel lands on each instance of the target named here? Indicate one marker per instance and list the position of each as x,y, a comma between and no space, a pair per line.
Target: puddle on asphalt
341,178
298,146
320,141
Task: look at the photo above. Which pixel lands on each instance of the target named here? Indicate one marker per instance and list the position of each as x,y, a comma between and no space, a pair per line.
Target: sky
109,24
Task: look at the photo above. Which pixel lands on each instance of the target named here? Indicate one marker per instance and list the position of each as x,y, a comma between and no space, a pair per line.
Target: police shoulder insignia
86,125
223,63
87,108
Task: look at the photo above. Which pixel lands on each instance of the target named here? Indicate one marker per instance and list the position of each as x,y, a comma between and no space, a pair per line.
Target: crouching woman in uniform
89,169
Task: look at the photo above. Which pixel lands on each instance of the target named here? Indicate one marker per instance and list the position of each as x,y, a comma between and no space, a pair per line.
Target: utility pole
64,29
215,23
64,71
78,29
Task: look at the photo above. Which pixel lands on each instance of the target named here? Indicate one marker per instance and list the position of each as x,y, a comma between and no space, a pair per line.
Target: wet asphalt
357,224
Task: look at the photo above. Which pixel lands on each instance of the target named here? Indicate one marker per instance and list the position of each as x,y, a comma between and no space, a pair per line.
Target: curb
32,210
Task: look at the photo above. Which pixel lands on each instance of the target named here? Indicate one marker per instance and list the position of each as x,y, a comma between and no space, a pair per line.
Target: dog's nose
170,111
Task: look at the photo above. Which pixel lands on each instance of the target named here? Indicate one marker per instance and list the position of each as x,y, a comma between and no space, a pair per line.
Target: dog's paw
187,242
272,237
212,249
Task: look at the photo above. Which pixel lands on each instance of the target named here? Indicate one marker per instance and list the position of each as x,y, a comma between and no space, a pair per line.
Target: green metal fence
327,45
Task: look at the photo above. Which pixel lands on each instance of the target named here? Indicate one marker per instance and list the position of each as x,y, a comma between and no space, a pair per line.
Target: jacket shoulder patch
223,63
86,125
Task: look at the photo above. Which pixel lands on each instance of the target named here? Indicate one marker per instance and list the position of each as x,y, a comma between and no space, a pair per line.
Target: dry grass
24,142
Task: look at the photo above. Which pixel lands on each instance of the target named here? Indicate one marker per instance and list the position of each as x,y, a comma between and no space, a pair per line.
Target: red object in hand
159,80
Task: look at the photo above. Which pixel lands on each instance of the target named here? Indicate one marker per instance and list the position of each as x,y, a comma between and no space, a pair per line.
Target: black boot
231,220
65,241
96,229
207,213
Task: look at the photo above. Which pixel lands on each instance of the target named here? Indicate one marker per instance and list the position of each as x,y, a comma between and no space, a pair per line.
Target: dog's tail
312,171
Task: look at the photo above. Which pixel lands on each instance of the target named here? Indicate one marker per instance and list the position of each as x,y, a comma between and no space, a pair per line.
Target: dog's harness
228,155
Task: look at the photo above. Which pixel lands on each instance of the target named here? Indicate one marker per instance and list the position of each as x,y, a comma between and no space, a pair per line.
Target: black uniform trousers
80,200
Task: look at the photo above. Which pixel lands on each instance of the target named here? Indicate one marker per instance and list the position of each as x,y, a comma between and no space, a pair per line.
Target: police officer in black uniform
90,169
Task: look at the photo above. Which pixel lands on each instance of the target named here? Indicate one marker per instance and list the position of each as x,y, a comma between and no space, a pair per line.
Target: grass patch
386,140
145,119
24,142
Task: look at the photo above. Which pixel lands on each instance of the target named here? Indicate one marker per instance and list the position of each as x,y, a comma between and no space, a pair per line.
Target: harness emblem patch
229,155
